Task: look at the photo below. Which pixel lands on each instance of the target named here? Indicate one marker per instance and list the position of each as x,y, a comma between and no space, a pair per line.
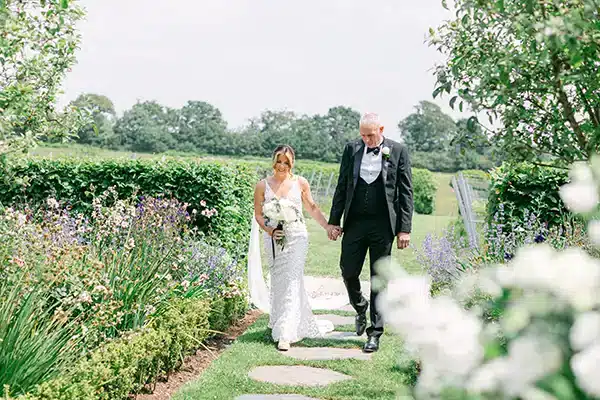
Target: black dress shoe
372,344
361,323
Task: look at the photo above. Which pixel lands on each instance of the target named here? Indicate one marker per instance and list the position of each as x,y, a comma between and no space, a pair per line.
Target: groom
374,194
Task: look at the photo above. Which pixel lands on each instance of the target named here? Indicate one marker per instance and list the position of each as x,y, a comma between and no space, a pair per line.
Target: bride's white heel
283,346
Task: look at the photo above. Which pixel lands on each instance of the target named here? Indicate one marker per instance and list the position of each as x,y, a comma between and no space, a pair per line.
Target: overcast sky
245,56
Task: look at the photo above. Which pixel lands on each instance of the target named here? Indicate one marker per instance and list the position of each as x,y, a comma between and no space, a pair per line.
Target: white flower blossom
541,267
585,366
445,336
530,358
581,195
594,232
85,297
585,331
52,203
515,318
581,172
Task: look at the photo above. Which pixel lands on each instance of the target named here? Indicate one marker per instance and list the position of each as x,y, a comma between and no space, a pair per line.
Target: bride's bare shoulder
302,181
261,185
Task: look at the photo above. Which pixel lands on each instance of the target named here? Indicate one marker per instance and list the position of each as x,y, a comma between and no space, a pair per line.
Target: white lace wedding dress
290,314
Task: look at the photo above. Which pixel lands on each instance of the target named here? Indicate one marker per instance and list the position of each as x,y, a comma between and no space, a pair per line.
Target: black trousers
362,234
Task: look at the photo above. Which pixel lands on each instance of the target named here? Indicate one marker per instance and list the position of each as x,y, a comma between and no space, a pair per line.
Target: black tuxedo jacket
397,180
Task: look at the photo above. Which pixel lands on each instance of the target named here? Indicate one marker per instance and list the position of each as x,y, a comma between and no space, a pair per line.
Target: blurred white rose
585,366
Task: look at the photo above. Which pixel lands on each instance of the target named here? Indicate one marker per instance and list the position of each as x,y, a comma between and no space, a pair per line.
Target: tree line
199,127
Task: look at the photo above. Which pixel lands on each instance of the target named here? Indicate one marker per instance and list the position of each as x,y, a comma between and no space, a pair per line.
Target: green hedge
424,188
450,161
227,188
226,185
516,190
127,365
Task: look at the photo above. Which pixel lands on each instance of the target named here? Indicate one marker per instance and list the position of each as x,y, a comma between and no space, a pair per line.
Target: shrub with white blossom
546,343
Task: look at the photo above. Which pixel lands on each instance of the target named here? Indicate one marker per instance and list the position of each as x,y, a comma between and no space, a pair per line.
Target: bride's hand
277,234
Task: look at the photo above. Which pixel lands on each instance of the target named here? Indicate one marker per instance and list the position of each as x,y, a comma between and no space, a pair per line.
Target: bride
291,318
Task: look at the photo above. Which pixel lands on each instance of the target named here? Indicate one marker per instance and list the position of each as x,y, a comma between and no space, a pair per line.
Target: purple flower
539,238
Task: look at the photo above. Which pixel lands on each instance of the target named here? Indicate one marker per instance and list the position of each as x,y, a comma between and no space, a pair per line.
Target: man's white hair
370,119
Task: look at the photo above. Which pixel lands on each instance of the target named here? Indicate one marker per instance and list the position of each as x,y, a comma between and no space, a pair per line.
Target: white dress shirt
370,166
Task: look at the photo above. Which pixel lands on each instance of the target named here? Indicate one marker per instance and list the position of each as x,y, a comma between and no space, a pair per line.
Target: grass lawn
226,378
324,255
445,199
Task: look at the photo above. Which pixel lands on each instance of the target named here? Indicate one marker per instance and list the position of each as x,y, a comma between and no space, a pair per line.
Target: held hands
333,232
403,240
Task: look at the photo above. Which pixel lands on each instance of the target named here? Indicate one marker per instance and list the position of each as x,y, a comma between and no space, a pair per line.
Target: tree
38,40
273,128
99,131
428,129
473,139
147,127
341,126
533,67
201,127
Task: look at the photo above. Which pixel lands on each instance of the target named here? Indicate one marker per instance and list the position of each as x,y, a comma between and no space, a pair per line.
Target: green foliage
475,174
227,189
424,188
451,161
537,74
226,310
99,131
428,129
147,127
69,284
127,365
199,127
37,47
438,143
516,191
34,346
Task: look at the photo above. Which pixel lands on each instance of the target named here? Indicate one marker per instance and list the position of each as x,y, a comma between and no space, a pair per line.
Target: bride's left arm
309,204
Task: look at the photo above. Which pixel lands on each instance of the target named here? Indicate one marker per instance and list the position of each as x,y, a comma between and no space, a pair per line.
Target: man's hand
333,232
403,240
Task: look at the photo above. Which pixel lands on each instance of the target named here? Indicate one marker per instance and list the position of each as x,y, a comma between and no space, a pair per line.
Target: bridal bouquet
282,212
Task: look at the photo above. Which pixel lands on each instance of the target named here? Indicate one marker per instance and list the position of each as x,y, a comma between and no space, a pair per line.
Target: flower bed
98,306
542,287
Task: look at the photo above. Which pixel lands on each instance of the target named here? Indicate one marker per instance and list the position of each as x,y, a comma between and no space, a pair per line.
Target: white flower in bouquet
280,212
288,211
271,211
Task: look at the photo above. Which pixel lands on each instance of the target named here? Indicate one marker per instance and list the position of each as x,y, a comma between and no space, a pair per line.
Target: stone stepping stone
337,319
296,375
326,353
343,336
273,397
328,302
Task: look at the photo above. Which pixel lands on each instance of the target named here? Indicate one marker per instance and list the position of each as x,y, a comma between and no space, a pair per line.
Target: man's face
371,134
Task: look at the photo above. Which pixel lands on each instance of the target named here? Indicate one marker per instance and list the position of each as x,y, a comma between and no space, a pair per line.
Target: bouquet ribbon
279,227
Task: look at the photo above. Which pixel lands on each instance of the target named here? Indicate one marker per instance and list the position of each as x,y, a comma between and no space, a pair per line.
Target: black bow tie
374,150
